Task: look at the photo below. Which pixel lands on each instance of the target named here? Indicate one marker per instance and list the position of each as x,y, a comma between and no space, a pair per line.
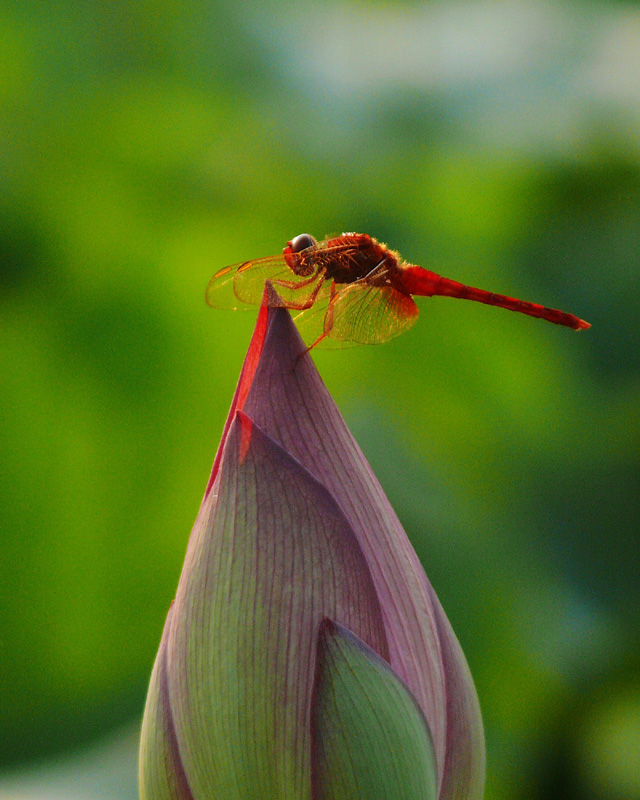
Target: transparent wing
242,285
362,313
311,321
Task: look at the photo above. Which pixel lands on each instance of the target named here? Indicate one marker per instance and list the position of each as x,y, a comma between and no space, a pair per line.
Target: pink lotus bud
306,656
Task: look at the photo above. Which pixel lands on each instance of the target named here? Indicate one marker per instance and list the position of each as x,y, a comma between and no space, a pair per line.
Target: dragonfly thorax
353,256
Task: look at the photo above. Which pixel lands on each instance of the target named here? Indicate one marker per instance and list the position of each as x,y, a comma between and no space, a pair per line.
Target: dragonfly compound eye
302,242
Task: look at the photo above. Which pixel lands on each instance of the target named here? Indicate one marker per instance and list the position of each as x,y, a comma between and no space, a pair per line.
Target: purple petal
251,361
464,766
162,775
271,554
291,404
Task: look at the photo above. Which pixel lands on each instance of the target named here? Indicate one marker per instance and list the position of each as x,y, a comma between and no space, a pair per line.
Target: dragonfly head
302,241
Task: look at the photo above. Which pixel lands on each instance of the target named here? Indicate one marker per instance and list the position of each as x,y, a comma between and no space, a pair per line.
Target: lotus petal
371,740
162,775
272,554
287,398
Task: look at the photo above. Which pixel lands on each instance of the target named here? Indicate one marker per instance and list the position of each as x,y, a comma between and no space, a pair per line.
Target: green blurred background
145,145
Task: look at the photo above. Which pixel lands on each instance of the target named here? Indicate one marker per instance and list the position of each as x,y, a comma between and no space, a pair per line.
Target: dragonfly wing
220,293
366,314
310,322
242,285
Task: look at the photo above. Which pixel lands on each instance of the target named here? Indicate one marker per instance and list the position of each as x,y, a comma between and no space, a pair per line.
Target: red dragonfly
350,289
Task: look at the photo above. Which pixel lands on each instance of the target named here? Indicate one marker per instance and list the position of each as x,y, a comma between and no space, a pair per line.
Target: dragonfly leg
296,284
322,336
310,300
328,321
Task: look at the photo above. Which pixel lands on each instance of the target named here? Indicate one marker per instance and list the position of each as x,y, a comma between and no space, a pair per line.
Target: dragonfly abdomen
424,283
523,306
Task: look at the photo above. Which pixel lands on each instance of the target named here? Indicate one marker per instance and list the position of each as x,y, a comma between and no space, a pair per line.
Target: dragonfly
351,289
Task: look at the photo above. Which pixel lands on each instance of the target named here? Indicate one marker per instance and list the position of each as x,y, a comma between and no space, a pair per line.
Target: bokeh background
147,144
